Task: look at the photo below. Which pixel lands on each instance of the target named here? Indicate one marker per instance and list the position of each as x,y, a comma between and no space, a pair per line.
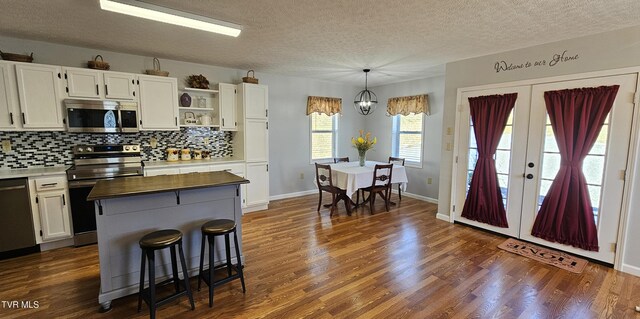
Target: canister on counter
173,155
185,154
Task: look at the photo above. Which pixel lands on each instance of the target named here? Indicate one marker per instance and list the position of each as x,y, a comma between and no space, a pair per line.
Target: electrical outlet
448,146
429,180
449,131
206,141
153,142
6,146
301,175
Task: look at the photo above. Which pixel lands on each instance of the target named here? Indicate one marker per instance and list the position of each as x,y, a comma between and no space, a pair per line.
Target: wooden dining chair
340,159
380,185
325,184
397,161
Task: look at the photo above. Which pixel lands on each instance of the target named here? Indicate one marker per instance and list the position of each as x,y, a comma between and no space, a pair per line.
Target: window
407,138
324,130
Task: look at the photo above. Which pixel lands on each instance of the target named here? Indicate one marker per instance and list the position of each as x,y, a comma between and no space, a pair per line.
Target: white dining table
350,176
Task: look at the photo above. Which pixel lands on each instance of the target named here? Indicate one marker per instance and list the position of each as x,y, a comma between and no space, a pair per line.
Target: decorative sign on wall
556,59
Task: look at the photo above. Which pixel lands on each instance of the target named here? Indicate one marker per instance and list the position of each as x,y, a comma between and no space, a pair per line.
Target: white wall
380,126
289,147
604,51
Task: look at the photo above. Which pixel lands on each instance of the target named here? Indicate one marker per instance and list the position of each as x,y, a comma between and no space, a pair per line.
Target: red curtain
484,199
577,116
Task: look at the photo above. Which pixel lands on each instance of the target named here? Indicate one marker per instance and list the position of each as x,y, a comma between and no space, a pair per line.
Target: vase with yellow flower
363,143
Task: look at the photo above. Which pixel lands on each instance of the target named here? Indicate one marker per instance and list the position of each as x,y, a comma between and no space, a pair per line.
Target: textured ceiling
328,39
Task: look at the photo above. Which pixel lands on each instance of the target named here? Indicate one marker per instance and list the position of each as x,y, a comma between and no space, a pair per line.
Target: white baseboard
314,191
56,244
420,197
255,208
630,269
296,194
443,217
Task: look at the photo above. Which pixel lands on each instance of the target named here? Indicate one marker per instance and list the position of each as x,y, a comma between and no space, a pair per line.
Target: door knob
531,165
529,176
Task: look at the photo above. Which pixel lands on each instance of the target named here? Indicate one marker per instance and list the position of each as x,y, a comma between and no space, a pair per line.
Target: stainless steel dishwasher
16,222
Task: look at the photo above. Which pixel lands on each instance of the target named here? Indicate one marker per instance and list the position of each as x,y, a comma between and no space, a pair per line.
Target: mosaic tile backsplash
29,149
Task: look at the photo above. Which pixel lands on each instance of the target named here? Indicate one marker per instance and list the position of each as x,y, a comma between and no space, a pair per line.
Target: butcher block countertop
141,185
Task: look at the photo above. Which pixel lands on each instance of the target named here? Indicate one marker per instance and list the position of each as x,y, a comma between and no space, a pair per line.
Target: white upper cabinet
83,83
94,84
8,98
158,103
119,86
40,96
228,113
255,98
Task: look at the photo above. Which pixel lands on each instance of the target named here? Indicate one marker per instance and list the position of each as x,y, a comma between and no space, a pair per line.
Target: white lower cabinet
258,187
54,215
237,169
161,171
50,208
194,169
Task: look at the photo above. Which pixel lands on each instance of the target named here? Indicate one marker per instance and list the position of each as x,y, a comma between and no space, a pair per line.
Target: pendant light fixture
366,101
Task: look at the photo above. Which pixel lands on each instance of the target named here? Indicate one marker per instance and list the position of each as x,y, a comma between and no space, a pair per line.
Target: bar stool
210,230
157,240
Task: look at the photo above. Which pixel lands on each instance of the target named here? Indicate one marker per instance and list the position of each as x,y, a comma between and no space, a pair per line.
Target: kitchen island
128,208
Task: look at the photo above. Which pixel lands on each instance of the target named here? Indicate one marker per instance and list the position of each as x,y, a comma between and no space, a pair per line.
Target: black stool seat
160,239
211,229
218,226
166,238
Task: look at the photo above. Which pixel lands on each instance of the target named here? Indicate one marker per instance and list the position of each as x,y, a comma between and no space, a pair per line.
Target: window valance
326,105
408,104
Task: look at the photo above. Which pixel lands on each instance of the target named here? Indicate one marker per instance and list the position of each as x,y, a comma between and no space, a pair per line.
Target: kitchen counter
32,172
128,208
140,185
216,160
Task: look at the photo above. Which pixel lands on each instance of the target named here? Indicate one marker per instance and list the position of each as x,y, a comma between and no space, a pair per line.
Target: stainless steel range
91,164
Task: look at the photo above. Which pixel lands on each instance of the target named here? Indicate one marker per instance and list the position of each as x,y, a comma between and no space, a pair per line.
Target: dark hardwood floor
300,264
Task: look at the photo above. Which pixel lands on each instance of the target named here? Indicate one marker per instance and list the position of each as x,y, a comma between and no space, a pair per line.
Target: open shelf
199,125
209,91
201,109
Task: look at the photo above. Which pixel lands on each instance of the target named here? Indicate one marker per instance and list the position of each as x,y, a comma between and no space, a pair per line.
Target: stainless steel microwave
93,116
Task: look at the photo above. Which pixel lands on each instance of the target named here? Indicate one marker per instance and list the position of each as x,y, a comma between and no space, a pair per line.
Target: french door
528,159
509,157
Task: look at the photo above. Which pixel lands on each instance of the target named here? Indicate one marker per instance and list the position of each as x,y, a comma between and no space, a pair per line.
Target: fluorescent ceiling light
157,13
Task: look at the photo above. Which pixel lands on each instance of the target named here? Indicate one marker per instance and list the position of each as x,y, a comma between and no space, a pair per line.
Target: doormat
544,255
